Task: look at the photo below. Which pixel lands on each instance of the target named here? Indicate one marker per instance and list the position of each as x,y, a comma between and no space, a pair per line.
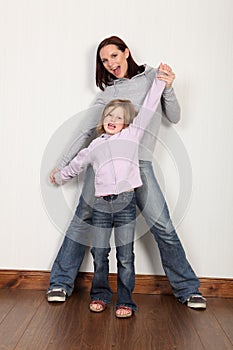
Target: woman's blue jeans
151,202
118,211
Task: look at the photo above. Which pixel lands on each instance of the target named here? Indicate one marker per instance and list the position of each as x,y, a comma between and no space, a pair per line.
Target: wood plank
212,335
179,325
6,304
79,328
98,329
38,334
147,327
145,284
223,311
18,318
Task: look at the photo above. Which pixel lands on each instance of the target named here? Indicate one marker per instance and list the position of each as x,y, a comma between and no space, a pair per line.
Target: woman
118,76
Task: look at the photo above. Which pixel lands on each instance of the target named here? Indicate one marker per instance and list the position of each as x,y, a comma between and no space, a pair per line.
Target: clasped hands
166,74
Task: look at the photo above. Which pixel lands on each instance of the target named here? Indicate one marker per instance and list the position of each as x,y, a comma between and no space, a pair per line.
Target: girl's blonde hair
129,113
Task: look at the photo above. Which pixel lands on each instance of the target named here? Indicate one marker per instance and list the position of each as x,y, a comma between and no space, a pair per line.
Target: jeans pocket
129,197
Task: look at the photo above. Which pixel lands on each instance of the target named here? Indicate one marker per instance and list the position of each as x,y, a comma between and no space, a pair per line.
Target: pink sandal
94,306
129,312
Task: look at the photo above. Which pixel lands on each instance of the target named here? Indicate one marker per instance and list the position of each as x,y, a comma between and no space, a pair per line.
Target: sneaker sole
56,299
196,305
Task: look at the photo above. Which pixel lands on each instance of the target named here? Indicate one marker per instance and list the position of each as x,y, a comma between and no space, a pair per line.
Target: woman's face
114,60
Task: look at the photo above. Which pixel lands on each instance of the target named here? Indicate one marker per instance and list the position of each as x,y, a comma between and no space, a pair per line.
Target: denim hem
101,299
68,292
183,299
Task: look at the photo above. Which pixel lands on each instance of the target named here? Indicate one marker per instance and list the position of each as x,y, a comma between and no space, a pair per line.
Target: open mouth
111,126
117,71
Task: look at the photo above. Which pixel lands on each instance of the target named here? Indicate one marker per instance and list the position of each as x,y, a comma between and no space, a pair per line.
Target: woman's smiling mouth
117,71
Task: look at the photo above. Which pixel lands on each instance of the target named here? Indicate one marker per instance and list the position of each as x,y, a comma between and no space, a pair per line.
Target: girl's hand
166,75
52,178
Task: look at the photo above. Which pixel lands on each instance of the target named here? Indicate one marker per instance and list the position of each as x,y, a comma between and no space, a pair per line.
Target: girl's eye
114,55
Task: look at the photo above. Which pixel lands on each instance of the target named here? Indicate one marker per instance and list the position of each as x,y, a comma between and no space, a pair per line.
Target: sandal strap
94,302
124,308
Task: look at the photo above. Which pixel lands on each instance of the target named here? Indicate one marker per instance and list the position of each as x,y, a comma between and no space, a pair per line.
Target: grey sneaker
196,301
56,295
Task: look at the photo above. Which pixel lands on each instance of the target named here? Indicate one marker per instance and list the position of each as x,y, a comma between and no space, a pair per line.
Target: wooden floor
29,322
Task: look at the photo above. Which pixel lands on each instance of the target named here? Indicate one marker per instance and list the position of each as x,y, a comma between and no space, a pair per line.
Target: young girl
114,157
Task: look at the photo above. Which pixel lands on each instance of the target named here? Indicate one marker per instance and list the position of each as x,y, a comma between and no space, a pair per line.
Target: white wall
47,76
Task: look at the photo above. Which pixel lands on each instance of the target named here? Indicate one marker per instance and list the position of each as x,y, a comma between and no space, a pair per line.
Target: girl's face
114,60
114,121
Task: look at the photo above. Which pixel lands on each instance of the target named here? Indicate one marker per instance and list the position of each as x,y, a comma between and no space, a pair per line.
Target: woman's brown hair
103,77
129,113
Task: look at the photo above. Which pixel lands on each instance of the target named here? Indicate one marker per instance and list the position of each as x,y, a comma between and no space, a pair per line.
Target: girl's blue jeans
118,211
151,202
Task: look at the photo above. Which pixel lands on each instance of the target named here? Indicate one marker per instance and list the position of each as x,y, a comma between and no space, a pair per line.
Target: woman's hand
52,178
166,75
